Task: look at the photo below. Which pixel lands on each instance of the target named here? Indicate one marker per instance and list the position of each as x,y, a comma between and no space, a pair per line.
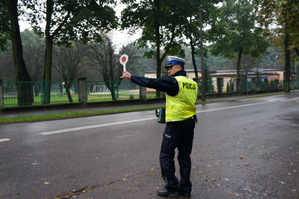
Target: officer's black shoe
165,193
185,194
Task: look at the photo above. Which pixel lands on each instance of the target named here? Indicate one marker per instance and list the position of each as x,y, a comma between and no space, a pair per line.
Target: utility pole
203,75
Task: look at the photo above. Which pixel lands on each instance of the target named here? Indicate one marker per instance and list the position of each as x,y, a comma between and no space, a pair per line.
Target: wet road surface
242,149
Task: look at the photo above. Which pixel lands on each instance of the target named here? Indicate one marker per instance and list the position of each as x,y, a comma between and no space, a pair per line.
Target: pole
246,70
203,75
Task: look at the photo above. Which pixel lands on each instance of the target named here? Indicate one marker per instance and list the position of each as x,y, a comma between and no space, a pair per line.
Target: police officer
180,116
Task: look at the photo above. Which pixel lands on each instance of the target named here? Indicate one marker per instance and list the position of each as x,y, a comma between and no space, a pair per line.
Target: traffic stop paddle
123,60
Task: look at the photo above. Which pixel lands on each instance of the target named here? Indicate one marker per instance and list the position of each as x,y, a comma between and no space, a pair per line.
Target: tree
106,62
68,63
33,53
34,57
160,22
287,17
236,32
7,72
198,16
134,65
10,12
67,21
4,25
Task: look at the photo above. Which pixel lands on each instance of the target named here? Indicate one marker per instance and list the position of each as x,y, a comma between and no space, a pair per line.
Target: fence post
142,93
1,96
82,90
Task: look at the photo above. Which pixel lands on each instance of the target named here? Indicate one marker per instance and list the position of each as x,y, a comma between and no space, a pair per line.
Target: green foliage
143,15
63,115
71,20
33,52
283,12
161,24
4,25
235,30
67,21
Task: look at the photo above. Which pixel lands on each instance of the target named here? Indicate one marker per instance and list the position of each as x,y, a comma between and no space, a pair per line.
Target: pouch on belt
160,113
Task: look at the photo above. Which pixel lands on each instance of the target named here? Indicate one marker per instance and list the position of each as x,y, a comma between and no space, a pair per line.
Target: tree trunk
238,69
203,75
48,54
157,34
25,90
287,80
193,57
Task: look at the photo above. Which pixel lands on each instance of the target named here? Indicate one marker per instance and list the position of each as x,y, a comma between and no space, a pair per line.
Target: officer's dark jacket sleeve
168,85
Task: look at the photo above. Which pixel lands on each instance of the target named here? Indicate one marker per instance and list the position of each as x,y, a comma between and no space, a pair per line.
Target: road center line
133,121
94,126
4,139
231,107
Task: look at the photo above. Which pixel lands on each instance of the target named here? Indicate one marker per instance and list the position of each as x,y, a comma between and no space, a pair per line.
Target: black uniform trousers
177,135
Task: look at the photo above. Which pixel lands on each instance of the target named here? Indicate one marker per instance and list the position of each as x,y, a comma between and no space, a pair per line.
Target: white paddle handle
124,67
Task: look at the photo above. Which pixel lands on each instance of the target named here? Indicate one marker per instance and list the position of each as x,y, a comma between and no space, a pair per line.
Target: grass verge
65,115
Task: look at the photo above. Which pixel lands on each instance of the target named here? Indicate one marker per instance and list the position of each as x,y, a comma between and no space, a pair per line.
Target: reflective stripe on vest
182,106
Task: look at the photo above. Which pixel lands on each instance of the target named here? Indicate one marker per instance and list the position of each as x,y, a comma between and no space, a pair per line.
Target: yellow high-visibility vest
182,106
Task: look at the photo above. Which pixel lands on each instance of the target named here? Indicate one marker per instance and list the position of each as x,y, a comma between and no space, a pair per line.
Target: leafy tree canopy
236,29
4,25
284,13
170,17
72,19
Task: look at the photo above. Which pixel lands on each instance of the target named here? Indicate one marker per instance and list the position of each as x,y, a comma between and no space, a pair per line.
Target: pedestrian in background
180,116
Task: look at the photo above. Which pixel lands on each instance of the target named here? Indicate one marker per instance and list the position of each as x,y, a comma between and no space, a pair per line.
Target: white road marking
230,107
4,139
273,100
133,121
289,99
94,126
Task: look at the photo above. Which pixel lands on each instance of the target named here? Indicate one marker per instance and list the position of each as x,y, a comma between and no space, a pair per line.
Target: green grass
264,95
57,98
63,115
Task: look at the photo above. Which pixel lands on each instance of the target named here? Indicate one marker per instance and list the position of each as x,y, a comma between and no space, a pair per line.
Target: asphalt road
242,149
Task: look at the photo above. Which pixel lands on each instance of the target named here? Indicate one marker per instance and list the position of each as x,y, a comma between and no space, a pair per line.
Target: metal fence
111,90
10,96
97,91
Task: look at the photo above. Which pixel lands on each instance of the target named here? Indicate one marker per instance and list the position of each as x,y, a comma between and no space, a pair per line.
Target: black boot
165,193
